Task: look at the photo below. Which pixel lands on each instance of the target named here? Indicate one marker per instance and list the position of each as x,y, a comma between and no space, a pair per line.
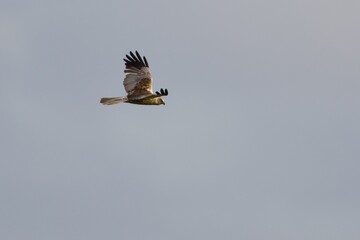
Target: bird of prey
138,84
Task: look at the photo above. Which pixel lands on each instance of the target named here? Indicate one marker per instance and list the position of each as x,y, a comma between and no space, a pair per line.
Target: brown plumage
137,83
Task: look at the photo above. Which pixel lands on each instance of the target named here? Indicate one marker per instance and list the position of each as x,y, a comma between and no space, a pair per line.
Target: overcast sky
259,137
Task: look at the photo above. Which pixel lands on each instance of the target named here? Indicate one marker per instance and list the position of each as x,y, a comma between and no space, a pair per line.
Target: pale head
160,101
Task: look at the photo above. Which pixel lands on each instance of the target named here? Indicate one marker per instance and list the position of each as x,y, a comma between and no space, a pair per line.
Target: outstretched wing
138,80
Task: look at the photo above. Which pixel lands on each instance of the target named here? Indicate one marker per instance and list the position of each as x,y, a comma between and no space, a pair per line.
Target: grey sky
259,137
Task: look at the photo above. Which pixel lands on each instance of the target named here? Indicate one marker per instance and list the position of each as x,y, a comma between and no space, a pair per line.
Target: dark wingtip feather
146,63
135,60
162,92
133,55
139,57
129,58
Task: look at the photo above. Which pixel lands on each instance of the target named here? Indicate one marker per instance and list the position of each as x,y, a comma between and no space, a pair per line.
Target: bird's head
161,101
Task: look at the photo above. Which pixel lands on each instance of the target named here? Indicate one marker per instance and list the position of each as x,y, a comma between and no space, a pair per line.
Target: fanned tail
113,100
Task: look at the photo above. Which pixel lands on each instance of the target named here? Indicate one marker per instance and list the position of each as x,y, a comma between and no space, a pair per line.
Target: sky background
259,137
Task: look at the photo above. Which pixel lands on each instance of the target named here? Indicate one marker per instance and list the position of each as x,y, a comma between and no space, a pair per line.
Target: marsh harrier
138,84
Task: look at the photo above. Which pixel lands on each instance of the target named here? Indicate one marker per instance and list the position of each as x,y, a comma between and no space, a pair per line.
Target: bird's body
143,101
138,84
148,101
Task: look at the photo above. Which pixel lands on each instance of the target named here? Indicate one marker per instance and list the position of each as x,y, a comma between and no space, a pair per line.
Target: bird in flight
137,83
